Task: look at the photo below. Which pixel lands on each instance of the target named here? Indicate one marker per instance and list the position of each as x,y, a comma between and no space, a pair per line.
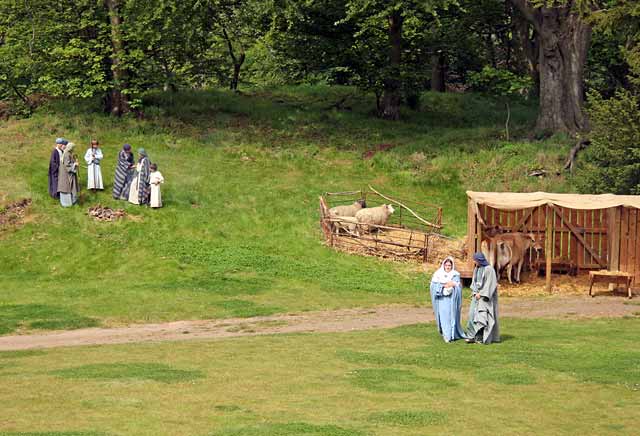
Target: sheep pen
410,233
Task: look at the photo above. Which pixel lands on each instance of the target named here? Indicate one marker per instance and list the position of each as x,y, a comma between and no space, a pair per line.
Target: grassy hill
238,235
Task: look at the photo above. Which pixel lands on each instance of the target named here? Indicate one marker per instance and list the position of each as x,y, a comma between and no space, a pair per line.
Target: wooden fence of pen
411,233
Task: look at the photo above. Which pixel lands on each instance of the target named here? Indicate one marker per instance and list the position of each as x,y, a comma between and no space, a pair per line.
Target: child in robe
92,157
155,180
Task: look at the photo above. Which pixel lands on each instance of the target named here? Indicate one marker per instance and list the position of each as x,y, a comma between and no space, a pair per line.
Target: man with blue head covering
482,326
54,167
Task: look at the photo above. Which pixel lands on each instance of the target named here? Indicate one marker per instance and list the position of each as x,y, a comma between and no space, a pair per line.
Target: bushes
612,162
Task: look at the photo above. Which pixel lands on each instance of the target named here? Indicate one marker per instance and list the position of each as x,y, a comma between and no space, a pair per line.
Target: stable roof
518,200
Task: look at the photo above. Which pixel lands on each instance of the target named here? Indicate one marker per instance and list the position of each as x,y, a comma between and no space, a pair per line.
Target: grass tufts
290,429
409,418
130,371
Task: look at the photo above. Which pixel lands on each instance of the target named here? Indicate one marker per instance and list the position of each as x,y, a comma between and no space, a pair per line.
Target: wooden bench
604,276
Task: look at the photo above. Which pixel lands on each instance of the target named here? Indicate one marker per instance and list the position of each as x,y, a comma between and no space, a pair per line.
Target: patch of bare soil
571,307
13,215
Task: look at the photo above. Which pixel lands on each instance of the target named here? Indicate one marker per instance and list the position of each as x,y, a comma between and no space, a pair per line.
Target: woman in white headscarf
446,299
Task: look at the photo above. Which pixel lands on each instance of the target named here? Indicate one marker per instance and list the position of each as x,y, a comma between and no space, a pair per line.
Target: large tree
564,37
392,16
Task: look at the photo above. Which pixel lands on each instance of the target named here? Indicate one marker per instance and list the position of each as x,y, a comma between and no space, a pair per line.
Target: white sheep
374,215
347,223
349,210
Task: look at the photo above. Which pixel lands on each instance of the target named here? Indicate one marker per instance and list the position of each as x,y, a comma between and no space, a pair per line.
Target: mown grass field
545,378
239,234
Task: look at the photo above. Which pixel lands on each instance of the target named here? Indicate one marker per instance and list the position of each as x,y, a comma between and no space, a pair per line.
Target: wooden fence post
548,250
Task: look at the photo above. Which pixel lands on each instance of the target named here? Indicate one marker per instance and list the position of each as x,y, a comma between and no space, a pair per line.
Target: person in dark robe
124,173
54,167
140,186
483,327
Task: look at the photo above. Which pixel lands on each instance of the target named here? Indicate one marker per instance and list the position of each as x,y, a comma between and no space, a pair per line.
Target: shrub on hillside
612,161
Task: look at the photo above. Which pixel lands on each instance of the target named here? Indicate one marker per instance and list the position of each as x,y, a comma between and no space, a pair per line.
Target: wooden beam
548,250
614,238
580,239
471,229
524,219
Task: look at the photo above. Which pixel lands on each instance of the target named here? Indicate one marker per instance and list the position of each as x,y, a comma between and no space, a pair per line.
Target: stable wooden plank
637,239
557,235
471,230
566,235
588,237
613,217
548,247
577,221
633,235
576,232
624,239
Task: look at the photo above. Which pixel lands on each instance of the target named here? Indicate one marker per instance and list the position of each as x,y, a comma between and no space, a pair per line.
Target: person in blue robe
446,299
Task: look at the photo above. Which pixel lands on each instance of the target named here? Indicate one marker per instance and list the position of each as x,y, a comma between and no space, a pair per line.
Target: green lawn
547,377
239,233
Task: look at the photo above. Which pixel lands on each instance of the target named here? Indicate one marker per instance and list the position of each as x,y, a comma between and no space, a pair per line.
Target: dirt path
322,322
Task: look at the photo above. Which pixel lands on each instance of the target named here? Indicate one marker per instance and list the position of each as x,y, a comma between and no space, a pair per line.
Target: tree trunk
564,40
438,68
391,96
236,60
116,101
564,45
236,72
526,39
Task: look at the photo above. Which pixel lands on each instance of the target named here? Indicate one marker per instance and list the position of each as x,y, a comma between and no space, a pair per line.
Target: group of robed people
137,182
446,299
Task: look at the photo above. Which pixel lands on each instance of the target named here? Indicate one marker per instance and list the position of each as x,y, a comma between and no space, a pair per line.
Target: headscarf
479,257
59,141
67,150
142,152
441,276
126,147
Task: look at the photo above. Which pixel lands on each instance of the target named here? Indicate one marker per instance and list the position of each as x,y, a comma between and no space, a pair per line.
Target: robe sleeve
99,155
489,283
87,157
70,165
436,289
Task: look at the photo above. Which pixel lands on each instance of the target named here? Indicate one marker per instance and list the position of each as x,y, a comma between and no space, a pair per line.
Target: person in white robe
92,157
155,179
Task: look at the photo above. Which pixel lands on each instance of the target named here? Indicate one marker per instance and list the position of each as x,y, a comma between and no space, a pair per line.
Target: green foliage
612,161
500,83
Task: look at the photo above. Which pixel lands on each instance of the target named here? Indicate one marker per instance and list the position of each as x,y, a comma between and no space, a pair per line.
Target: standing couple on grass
138,183
446,299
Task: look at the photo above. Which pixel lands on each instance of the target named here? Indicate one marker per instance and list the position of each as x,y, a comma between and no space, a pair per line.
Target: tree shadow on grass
41,316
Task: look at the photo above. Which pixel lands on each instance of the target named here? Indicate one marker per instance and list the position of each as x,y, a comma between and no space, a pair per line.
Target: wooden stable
588,232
